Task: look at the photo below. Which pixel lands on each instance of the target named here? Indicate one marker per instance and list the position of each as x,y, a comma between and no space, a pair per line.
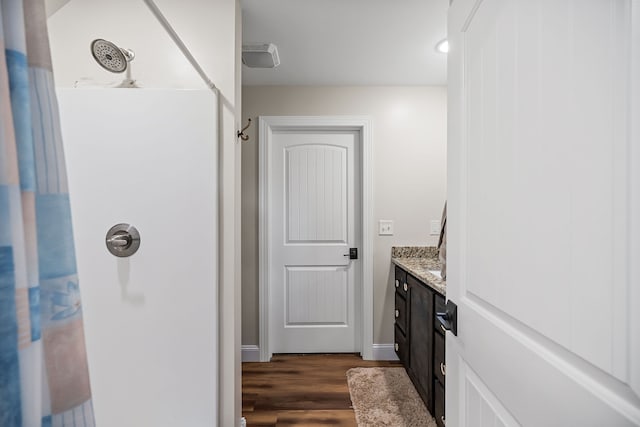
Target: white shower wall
147,157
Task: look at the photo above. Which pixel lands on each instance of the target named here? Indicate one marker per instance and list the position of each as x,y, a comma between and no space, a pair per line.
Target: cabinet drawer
401,281
401,346
438,403
439,367
401,312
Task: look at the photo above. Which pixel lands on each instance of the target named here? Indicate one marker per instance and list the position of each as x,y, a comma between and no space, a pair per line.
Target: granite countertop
418,261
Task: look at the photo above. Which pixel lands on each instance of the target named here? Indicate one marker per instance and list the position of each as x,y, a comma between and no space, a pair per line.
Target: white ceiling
344,42
348,42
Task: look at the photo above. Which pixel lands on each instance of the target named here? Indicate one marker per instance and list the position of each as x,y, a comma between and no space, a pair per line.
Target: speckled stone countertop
417,261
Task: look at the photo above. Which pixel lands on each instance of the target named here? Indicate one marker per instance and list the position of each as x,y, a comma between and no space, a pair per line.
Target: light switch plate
435,227
385,227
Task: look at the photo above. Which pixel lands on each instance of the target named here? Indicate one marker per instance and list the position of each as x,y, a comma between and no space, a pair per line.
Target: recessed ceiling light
442,46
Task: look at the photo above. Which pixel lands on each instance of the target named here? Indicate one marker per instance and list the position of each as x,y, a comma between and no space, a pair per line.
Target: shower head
111,57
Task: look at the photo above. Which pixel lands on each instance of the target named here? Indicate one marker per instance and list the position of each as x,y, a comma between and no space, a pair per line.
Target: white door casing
314,205
543,213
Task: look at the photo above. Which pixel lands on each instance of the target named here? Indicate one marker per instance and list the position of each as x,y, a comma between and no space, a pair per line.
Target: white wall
409,156
211,30
149,364
206,28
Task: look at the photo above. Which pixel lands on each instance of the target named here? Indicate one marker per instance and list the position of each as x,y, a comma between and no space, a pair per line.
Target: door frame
267,126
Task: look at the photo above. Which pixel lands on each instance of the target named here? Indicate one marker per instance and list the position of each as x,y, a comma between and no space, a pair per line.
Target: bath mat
386,397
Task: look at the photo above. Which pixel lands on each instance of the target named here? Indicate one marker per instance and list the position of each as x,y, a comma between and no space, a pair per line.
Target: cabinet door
400,345
421,336
439,367
438,412
401,312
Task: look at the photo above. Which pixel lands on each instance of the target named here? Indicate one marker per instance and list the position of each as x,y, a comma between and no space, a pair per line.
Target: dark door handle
449,319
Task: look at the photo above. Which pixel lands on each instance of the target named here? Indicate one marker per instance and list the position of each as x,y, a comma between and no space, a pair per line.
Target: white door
543,213
314,221
146,157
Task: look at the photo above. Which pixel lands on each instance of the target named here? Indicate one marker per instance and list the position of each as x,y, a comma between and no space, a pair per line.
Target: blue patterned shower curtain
44,379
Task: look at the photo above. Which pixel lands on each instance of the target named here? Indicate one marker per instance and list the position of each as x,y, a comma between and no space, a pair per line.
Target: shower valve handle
122,240
119,240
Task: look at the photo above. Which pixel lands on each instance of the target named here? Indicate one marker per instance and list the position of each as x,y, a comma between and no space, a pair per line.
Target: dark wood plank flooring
300,390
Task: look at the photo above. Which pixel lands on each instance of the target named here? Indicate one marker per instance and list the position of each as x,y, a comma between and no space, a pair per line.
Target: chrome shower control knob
122,240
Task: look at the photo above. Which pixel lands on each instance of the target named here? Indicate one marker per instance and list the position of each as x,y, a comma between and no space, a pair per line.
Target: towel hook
241,133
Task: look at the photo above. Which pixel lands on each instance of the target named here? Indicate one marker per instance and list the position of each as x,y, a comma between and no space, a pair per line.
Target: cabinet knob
397,313
405,287
397,283
396,346
443,421
443,368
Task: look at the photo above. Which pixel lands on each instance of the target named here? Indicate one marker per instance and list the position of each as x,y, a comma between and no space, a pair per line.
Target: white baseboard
250,353
384,352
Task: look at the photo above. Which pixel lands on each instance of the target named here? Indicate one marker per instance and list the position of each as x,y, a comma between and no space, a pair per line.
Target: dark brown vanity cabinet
419,342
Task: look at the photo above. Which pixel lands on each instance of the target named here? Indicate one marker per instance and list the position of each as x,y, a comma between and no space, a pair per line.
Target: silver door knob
122,240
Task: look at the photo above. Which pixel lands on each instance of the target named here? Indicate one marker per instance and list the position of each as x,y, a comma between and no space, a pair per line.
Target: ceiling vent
260,55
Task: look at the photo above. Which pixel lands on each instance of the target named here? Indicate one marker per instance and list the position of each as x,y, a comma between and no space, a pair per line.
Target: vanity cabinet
419,341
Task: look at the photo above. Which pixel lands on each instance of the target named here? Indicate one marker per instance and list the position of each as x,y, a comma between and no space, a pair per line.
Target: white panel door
543,213
147,157
313,197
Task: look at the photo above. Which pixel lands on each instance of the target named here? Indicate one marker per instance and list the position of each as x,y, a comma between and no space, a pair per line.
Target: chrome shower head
111,57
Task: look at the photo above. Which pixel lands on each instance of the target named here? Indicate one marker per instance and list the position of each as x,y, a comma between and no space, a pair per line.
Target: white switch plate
385,227
435,227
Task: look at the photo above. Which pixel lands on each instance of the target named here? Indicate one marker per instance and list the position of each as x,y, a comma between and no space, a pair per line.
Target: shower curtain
44,379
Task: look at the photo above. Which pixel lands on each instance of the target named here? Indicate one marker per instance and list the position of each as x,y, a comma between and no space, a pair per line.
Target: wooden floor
300,390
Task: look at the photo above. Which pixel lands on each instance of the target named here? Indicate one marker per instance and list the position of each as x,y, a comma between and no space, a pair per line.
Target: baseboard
384,352
250,353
